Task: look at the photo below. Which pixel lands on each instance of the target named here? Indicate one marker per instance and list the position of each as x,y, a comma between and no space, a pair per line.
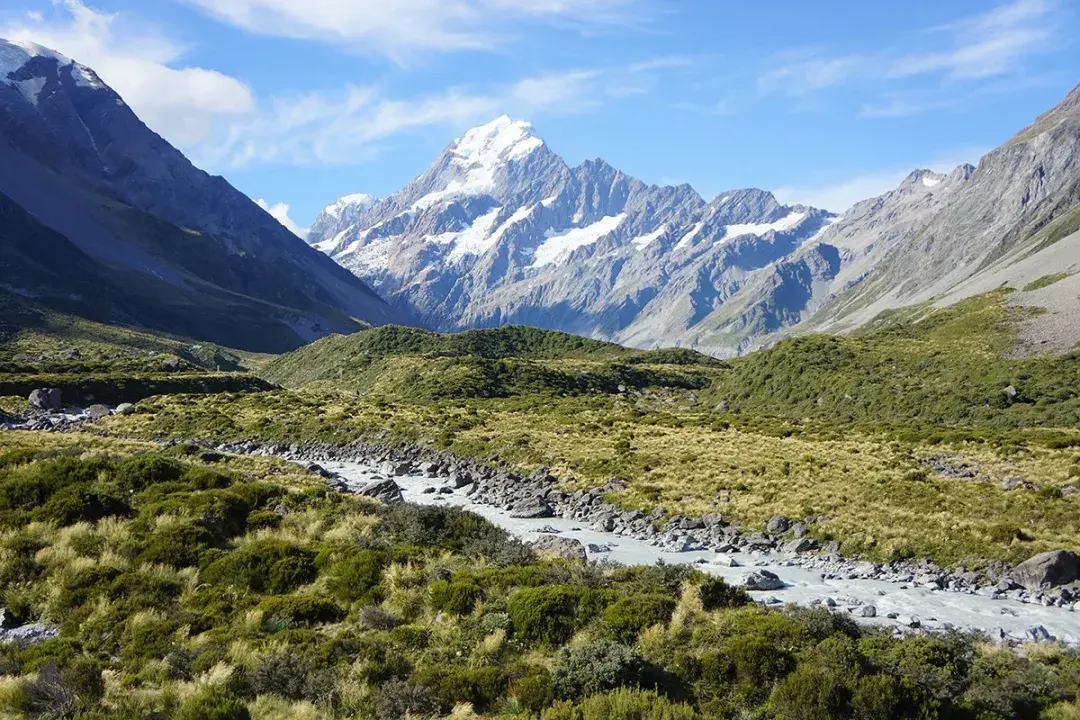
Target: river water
933,608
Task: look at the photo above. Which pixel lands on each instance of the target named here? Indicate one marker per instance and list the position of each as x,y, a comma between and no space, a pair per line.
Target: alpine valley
500,230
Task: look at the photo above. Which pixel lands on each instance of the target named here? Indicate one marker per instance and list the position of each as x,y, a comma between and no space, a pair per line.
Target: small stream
911,605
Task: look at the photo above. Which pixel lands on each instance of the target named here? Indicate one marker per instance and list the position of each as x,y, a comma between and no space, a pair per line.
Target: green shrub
480,686
622,704
358,577
263,520
140,472
301,609
628,616
553,614
213,703
265,566
293,676
533,689
200,478
396,699
716,593
596,668
78,503
178,545
458,597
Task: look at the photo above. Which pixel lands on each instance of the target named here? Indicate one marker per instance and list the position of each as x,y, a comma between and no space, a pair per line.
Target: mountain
936,239
500,230
101,216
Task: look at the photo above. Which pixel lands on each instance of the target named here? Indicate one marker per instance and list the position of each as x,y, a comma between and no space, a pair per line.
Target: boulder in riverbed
778,525
1048,569
385,491
763,580
560,547
46,399
97,412
532,508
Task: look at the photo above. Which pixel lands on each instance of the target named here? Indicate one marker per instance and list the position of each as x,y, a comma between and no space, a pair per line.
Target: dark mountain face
80,163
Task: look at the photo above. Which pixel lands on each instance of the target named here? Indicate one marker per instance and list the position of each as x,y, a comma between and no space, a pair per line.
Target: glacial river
933,608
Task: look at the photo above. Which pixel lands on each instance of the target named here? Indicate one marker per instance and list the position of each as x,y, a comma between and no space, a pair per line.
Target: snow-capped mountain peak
354,202
500,140
16,54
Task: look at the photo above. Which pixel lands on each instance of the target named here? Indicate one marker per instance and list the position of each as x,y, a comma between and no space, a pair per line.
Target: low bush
458,597
622,704
716,593
213,703
628,616
300,609
553,614
265,566
596,668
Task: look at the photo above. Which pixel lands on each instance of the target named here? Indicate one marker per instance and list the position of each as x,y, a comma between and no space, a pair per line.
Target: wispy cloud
840,195
223,124
400,28
349,126
808,72
992,45
186,104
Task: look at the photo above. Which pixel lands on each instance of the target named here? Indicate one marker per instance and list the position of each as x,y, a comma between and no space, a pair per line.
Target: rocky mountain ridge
158,242
500,230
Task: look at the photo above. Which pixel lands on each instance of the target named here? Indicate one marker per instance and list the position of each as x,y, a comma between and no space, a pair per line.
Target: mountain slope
500,230
940,238
174,248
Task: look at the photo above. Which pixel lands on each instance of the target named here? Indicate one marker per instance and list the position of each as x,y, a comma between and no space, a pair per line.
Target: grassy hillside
198,587
919,366
406,363
87,360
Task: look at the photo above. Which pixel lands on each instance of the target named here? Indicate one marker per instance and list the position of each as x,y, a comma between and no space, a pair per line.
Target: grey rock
385,491
124,408
1048,569
172,364
532,508
801,545
97,412
395,469
763,580
560,547
29,634
866,611
778,525
46,399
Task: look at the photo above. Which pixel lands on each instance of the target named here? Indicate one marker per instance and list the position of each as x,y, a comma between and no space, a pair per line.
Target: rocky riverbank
1049,579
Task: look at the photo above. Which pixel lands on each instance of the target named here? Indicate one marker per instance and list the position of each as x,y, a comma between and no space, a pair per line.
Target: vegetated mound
96,362
945,366
513,360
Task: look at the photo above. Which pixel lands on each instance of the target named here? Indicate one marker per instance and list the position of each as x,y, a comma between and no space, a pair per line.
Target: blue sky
300,101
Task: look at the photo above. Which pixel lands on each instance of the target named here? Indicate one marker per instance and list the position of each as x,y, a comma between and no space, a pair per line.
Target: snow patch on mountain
645,240
689,237
759,229
558,247
475,240
931,181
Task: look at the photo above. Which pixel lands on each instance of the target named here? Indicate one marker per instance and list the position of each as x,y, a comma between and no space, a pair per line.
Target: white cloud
280,212
398,28
839,196
349,126
811,73
185,104
987,45
994,44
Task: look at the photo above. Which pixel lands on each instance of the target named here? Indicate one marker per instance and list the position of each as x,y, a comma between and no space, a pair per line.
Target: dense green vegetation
94,362
411,364
946,367
178,596
1045,281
